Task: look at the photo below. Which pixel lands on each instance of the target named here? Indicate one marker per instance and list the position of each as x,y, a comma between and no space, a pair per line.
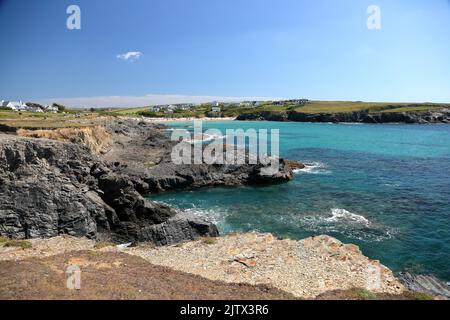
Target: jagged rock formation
49,188
358,117
425,283
143,152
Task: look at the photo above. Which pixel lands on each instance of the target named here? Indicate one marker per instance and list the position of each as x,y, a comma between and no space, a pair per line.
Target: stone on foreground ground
116,275
305,268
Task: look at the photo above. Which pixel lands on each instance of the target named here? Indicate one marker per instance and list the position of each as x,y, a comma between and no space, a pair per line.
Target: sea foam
313,168
344,215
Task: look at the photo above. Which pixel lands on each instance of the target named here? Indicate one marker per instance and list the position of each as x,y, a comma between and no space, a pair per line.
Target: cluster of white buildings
19,106
250,104
216,107
297,102
171,108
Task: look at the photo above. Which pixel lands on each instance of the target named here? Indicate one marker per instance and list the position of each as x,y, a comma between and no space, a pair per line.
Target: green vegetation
311,107
103,244
416,108
314,107
209,240
3,240
417,296
45,120
24,244
69,117
363,294
149,164
360,294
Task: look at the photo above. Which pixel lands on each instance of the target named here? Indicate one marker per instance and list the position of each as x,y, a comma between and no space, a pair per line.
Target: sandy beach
185,119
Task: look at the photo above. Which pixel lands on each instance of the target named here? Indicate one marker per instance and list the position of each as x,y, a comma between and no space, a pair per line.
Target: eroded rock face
144,154
168,176
426,284
358,117
49,188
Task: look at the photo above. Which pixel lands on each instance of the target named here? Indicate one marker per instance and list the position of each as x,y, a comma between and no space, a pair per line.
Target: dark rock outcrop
364,116
425,284
168,176
144,154
49,188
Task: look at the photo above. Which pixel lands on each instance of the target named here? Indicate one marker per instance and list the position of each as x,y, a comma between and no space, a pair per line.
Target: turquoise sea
383,187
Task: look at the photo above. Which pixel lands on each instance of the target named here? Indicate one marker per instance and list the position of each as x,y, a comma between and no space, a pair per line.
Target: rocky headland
50,187
442,116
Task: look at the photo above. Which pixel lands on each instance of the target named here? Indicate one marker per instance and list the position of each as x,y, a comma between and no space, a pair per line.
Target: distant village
19,106
216,107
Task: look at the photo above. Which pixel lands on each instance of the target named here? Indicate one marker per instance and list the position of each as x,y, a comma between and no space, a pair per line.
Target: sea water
383,187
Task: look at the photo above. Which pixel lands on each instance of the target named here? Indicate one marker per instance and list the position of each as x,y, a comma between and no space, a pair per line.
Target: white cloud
142,101
130,56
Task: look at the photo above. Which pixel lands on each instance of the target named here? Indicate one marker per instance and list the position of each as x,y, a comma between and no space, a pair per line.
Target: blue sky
317,49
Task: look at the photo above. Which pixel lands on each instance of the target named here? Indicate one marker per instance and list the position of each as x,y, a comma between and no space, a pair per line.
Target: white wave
205,138
344,215
214,215
344,222
313,168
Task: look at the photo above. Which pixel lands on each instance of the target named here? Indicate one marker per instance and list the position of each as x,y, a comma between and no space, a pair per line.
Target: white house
215,109
51,108
300,102
215,104
16,106
33,109
155,109
185,106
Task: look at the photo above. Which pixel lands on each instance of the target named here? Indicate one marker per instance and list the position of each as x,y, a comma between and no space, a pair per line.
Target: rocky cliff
50,187
143,152
442,116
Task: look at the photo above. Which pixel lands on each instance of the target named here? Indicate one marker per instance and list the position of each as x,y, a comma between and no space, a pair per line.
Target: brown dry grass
96,138
113,276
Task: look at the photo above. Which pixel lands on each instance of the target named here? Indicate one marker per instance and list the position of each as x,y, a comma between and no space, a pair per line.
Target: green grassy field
316,107
46,120
72,117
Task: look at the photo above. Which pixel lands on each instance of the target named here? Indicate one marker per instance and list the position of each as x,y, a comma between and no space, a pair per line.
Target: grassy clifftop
85,117
312,107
